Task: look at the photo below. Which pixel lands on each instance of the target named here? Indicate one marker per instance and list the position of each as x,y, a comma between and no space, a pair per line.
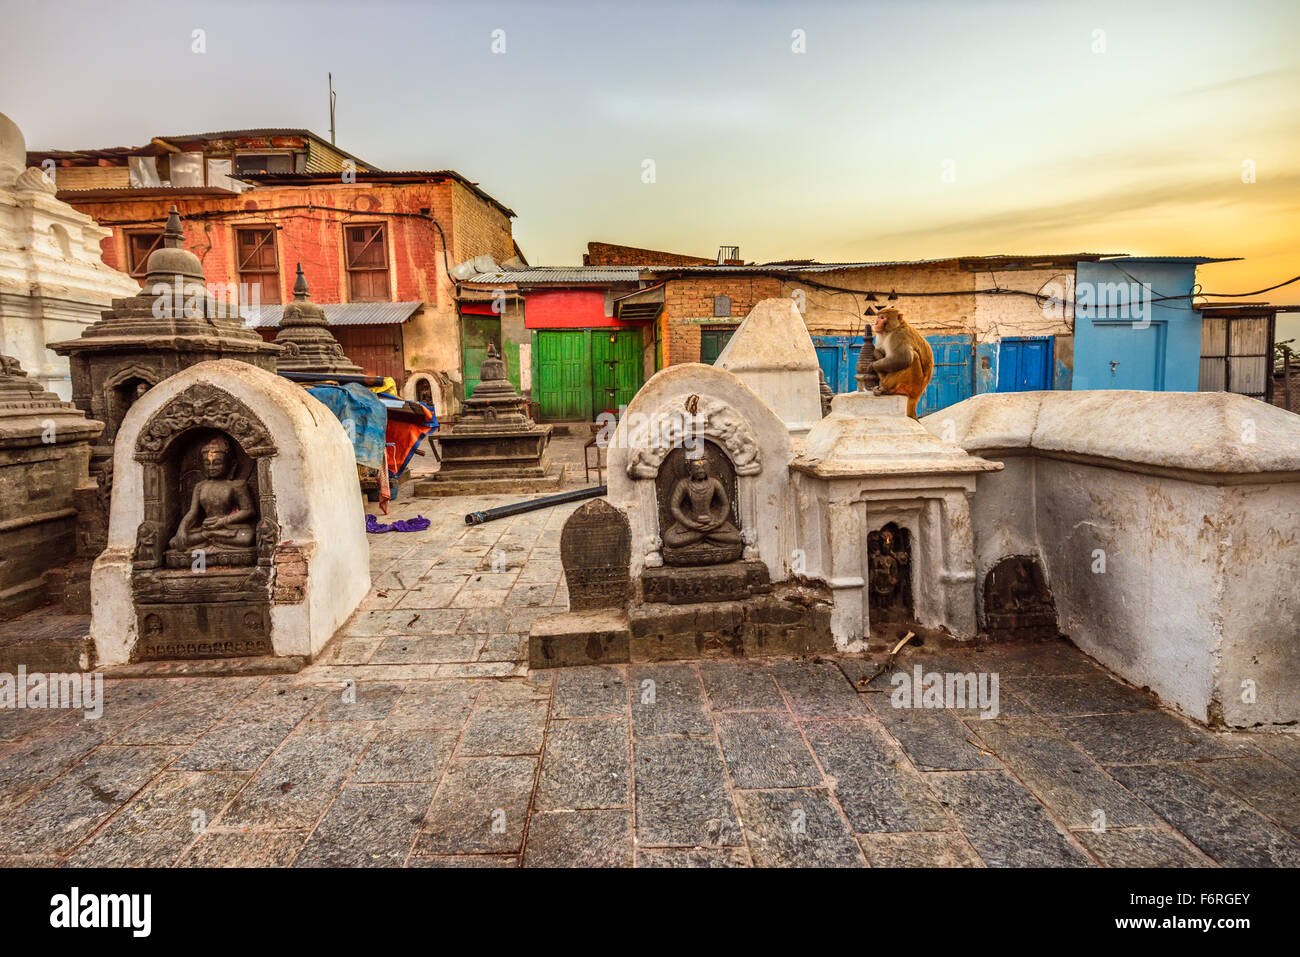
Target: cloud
1104,208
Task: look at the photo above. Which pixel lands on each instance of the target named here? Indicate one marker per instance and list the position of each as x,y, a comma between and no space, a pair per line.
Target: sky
832,131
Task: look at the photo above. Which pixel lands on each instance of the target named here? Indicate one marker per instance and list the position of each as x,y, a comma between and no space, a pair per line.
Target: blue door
838,357
828,357
951,381
1025,364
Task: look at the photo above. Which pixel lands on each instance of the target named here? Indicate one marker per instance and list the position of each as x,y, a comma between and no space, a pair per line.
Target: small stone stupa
172,324
305,338
495,444
44,453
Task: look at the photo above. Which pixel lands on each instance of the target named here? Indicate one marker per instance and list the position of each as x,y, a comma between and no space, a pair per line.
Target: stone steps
792,620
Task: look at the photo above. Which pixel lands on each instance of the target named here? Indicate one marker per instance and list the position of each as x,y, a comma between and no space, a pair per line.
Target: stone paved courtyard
421,739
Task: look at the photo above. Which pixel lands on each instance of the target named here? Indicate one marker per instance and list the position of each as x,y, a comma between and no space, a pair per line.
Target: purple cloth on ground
417,524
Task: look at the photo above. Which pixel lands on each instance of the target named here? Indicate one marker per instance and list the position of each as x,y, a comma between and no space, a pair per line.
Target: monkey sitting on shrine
905,361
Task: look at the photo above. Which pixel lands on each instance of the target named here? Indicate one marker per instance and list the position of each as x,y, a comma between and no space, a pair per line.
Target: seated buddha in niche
701,513
221,511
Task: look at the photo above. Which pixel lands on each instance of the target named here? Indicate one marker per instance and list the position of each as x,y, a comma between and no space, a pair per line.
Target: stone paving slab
926,849
1003,822
874,783
797,828
419,737
765,750
1141,847
1061,776
682,795
1222,825
587,765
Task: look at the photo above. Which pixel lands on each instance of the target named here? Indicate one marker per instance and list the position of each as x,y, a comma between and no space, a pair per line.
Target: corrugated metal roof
560,274
1194,260
341,314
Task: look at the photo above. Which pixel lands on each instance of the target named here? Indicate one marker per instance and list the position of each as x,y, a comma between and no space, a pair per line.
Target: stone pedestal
236,525
870,470
44,453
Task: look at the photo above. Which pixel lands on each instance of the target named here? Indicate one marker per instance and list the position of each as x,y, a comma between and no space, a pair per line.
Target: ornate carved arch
203,406
686,417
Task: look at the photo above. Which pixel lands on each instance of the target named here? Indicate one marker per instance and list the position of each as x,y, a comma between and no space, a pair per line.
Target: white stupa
53,282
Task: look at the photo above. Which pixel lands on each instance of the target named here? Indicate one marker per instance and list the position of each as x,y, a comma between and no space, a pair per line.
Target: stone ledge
579,638
437,488
209,667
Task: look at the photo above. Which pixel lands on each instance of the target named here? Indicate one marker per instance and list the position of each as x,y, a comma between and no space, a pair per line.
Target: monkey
904,360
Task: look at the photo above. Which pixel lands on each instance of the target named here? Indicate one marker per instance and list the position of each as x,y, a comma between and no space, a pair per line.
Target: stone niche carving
1017,602
698,520
889,570
235,527
693,416
205,547
884,513
747,449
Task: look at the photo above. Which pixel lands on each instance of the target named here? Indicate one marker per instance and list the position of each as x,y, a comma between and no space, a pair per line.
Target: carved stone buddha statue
221,512
702,532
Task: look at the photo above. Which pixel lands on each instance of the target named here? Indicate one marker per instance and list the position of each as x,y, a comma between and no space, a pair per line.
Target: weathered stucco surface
318,508
1168,525
773,354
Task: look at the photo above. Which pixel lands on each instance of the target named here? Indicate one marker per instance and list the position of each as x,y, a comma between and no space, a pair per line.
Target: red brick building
377,247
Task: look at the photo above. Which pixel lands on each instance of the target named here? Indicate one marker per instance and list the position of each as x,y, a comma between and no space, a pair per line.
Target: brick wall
686,301
611,254
315,238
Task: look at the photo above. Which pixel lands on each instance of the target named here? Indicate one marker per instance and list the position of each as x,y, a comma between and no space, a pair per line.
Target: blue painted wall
1122,343
838,357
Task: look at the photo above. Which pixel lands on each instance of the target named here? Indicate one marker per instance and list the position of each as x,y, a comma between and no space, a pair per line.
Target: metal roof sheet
560,274
1195,260
340,314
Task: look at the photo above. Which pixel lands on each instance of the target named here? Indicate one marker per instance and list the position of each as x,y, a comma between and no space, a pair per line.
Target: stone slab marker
596,549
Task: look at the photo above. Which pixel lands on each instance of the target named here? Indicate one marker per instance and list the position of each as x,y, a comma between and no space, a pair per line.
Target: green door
616,366
564,374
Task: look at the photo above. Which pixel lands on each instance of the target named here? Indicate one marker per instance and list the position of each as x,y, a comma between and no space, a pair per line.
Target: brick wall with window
257,261
690,306
139,244
365,254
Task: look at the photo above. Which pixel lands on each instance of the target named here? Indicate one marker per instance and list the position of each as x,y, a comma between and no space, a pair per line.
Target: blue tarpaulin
363,416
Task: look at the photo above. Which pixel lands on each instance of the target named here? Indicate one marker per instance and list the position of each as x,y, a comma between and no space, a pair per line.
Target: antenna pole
333,97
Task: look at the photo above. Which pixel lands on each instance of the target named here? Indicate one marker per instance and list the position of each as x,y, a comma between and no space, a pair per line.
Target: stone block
578,638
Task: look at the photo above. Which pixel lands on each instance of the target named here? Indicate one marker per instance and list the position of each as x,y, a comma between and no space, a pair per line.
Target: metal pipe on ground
504,511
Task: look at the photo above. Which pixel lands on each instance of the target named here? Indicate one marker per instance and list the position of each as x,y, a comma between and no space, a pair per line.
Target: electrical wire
797,278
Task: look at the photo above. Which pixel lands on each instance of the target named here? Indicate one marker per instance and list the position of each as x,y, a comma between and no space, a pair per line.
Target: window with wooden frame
263,163
366,253
256,261
139,244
